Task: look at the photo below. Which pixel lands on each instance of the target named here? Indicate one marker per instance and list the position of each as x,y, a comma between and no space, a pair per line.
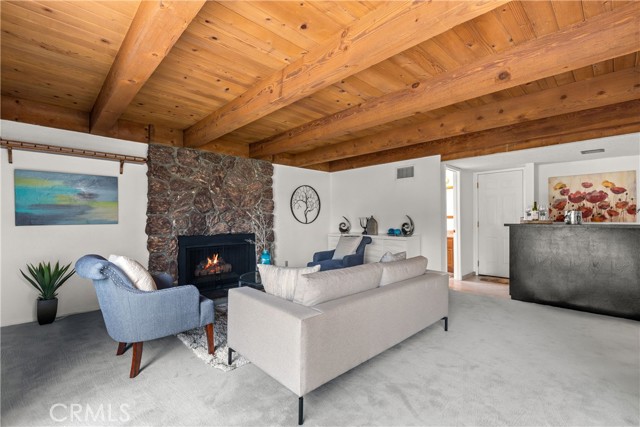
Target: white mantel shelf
382,243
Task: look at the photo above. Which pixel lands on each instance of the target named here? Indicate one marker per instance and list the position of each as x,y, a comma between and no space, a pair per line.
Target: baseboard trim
469,275
35,320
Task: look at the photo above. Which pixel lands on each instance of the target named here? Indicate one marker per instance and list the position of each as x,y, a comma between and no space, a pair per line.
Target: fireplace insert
215,263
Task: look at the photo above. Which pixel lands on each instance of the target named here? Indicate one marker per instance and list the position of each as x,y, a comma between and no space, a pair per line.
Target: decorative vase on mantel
265,257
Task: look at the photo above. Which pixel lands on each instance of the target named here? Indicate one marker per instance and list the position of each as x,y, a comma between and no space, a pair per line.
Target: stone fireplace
199,193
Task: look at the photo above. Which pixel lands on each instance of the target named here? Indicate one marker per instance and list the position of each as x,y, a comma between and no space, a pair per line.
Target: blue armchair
134,316
323,259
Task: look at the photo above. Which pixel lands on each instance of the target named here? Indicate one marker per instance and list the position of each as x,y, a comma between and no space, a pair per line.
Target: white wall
66,243
530,193
583,167
375,191
296,242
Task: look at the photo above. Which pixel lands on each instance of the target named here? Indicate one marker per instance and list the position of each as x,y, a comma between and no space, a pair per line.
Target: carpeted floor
501,363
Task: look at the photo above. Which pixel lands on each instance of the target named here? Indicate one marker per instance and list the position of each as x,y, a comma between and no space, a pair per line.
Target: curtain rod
53,149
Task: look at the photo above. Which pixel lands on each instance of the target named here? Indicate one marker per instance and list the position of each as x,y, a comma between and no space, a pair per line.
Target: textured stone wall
195,192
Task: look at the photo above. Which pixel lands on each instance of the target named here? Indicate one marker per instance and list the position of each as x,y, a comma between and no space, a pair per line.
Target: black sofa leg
230,356
446,323
300,410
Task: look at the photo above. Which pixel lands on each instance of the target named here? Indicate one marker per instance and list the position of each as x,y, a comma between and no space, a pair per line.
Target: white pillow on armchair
347,245
138,275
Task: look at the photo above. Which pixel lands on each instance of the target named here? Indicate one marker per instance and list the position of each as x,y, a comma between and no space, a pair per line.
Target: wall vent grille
595,150
403,173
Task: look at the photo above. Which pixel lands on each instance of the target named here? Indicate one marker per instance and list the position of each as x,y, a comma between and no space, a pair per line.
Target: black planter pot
47,309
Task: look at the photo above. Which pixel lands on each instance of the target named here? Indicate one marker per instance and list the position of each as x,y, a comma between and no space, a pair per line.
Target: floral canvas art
601,197
53,198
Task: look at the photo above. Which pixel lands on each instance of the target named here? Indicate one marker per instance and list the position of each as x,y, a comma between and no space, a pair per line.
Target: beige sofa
305,346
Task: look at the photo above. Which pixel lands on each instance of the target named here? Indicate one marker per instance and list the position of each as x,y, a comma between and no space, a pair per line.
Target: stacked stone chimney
194,192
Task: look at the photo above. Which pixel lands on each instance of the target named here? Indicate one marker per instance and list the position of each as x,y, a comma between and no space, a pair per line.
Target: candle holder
363,224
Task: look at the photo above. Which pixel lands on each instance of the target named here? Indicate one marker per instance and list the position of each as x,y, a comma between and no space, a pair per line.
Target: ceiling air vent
402,173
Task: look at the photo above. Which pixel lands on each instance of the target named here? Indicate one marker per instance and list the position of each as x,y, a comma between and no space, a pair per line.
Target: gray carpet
501,363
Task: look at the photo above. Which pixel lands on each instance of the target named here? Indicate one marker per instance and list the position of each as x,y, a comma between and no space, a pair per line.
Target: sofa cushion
282,281
397,271
389,257
347,245
328,285
138,275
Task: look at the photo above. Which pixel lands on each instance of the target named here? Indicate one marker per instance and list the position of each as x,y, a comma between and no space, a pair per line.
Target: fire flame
212,261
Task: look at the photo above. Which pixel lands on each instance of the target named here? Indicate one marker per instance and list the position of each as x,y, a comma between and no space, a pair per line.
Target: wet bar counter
589,267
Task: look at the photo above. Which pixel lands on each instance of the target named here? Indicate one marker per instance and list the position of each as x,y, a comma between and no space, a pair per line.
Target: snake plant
47,280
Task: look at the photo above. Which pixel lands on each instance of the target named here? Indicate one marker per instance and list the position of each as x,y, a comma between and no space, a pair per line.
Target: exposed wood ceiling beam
599,122
385,32
156,27
20,110
600,38
323,168
596,92
231,148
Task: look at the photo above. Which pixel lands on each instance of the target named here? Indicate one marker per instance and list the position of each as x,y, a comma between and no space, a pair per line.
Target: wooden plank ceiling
328,85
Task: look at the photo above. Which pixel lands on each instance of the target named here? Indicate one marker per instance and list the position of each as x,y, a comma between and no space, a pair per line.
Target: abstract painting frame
601,197
59,198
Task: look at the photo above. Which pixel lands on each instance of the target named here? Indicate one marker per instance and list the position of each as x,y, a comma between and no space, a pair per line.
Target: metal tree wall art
305,204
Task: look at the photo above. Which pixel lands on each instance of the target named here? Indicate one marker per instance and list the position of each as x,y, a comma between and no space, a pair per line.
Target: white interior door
500,201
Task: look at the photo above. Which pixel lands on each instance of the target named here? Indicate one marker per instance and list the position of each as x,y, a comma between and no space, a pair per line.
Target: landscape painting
53,198
601,197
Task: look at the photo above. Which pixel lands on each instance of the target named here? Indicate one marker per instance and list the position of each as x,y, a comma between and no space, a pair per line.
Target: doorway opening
452,179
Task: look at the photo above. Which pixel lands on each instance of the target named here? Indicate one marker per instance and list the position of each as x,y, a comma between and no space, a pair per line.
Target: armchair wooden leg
135,359
122,347
210,338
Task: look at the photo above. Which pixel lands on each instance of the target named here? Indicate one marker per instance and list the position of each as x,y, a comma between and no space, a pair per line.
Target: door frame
457,268
476,209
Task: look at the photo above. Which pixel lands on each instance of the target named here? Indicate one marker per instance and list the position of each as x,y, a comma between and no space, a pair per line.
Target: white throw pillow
328,285
138,275
389,257
347,245
398,271
282,281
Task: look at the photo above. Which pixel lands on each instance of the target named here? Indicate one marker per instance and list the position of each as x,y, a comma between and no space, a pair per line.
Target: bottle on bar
534,212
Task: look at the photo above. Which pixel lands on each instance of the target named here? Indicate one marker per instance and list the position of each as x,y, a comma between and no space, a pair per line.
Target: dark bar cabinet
589,267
